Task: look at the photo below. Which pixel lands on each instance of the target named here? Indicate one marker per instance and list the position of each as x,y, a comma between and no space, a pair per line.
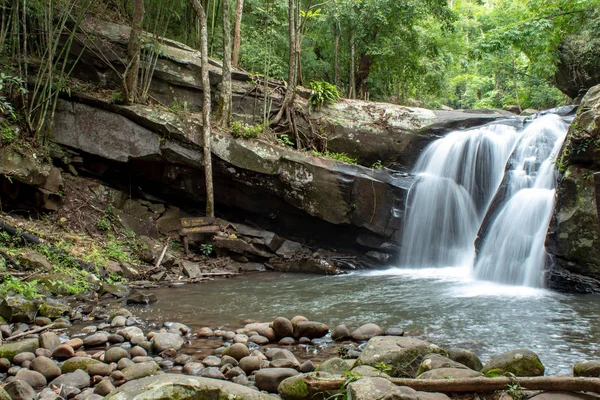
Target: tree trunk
364,70
224,113
210,201
290,92
478,385
336,67
352,80
130,77
237,33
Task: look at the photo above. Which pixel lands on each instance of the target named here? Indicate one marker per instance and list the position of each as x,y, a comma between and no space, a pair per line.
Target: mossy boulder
19,309
521,362
402,354
436,361
9,350
295,387
589,369
450,373
465,357
184,387
75,363
54,309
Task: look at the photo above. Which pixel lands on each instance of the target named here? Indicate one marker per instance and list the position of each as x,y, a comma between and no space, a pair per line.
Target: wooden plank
195,222
597,179
200,229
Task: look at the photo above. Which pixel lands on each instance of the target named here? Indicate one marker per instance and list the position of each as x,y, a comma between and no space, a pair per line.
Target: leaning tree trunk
210,201
225,100
290,92
130,77
237,33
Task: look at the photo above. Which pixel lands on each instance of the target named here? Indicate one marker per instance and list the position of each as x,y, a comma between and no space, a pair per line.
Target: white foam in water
458,176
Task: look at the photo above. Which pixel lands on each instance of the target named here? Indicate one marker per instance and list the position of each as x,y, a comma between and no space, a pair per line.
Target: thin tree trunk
210,201
237,33
364,69
477,385
225,100
130,77
514,68
336,67
352,81
290,92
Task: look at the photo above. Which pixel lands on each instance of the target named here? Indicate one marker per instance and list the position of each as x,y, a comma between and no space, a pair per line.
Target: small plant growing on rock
242,130
322,93
206,249
116,98
284,140
516,391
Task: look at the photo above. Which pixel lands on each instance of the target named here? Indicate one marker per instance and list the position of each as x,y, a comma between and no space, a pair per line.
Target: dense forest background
459,53
430,53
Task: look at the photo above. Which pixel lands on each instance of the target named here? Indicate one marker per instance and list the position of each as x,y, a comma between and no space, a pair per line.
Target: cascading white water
513,250
459,175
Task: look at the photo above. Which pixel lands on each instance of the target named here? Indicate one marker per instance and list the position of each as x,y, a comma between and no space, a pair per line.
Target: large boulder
578,68
465,357
436,361
588,368
18,309
574,234
450,373
184,387
10,350
519,362
268,379
402,354
310,329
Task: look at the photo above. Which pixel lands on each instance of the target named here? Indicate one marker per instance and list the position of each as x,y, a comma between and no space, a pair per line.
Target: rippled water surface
438,305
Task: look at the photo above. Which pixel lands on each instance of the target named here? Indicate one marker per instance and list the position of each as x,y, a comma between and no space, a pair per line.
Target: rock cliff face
574,234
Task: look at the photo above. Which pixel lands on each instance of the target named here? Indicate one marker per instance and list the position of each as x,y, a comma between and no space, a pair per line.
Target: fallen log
29,332
478,385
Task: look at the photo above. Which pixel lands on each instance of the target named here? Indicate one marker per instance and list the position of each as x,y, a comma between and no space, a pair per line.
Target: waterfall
496,181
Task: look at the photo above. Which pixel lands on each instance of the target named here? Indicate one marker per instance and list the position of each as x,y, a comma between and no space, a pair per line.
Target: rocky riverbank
89,351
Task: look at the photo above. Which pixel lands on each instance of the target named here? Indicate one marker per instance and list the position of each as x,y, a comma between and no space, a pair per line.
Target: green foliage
322,93
103,224
240,129
383,367
10,85
516,391
11,284
284,140
206,249
116,97
343,157
179,108
343,393
377,165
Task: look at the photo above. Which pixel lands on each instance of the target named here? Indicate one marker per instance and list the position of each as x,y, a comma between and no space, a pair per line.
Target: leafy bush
9,84
116,97
240,129
322,93
343,157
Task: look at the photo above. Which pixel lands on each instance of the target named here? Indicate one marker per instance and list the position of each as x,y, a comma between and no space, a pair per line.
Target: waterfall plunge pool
441,305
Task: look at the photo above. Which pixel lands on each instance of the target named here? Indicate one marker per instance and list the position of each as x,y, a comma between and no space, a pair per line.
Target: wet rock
334,366
298,318
78,379
75,343
283,327
4,365
521,362
100,369
163,341
124,363
465,357
63,351
54,309
212,361
10,350
141,298
232,373
240,338
49,340
18,309
33,378
284,359
20,358
121,312
75,363
450,373
118,321
96,340
307,366
42,321
104,387
138,351
259,340
131,332
117,290
587,368
435,361
370,388
43,353
288,341
237,351
401,353
114,354
114,338
171,386
192,368
205,332
137,371
20,390
270,378
46,367
340,333
212,372
310,329
366,332
250,364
